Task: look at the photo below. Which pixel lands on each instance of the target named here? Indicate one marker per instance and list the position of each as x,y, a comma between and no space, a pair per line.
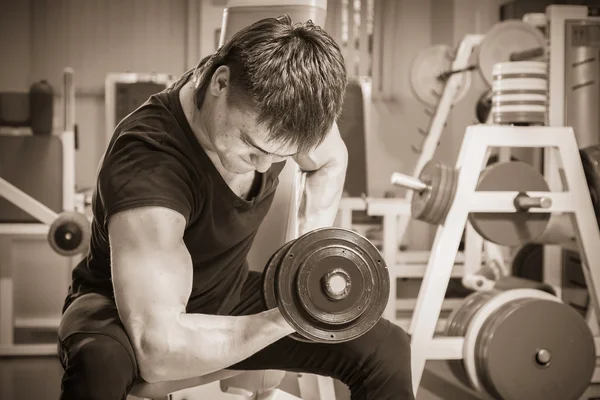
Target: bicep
151,267
331,151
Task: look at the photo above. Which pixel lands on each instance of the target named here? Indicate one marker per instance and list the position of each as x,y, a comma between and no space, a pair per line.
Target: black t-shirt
154,159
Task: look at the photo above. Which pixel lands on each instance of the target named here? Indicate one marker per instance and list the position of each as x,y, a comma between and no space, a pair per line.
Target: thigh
93,315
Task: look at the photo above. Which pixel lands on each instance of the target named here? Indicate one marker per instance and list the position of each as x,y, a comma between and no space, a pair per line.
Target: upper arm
332,151
148,196
151,270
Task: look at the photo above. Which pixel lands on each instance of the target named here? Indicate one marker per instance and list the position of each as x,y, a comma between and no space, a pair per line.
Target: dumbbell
69,234
331,285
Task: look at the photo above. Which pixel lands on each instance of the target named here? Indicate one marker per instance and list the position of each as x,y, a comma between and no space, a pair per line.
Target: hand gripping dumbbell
330,284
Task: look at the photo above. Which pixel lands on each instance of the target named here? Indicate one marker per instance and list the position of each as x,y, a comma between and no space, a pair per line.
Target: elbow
153,355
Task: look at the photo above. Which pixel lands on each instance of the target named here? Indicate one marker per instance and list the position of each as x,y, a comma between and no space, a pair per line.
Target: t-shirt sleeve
139,174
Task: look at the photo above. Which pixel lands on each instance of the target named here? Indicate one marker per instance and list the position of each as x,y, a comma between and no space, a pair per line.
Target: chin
239,167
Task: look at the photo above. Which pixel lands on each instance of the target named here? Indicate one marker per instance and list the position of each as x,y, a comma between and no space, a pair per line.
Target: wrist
275,317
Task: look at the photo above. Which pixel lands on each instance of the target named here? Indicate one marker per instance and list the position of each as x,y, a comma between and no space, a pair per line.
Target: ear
219,81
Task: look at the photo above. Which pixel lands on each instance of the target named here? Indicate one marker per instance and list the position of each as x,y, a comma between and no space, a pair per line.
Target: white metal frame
478,139
110,84
45,216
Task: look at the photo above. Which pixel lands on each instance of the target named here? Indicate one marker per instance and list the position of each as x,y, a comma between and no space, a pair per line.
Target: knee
390,364
393,352
96,367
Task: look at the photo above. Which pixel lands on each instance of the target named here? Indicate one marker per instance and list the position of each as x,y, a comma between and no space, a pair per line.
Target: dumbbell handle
525,202
409,182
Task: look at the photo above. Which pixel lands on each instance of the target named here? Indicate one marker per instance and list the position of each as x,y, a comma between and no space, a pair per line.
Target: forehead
245,120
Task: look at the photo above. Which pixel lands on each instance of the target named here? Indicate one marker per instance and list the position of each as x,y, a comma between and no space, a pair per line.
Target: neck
195,119
194,116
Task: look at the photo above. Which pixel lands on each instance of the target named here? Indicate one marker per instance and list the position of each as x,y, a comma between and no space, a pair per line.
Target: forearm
322,195
201,344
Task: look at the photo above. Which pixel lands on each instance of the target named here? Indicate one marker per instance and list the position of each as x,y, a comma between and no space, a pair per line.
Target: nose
261,162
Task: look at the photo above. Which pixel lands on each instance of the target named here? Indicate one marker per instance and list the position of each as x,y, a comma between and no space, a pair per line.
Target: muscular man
164,293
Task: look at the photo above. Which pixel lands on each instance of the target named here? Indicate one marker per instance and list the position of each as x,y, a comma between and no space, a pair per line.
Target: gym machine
511,204
67,232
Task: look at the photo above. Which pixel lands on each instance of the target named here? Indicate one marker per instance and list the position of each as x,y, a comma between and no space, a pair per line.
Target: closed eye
249,142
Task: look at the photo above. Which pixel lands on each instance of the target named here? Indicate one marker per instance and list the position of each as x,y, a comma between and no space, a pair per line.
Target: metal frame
46,216
478,139
112,79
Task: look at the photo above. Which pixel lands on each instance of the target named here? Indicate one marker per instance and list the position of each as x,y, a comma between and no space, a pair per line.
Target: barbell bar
524,202
409,182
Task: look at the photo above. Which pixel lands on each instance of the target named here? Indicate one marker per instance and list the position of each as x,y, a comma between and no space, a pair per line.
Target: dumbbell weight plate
516,228
69,234
300,292
269,277
507,366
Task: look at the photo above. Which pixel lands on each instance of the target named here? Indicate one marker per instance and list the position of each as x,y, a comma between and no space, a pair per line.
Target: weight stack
520,93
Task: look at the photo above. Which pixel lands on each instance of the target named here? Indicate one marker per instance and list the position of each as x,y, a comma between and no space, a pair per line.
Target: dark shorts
99,360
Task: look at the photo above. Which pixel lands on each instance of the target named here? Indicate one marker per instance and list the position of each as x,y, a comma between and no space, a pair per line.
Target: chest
245,186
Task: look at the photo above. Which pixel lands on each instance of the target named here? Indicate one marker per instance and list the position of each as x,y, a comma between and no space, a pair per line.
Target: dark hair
292,75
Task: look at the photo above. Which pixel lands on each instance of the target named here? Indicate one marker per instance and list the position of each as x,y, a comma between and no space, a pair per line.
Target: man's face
241,144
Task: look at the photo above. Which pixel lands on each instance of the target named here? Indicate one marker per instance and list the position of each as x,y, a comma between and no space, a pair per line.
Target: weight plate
504,39
553,358
458,322
481,316
69,234
269,277
300,295
447,195
516,228
422,202
483,106
425,69
528,262
439,195
335,307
